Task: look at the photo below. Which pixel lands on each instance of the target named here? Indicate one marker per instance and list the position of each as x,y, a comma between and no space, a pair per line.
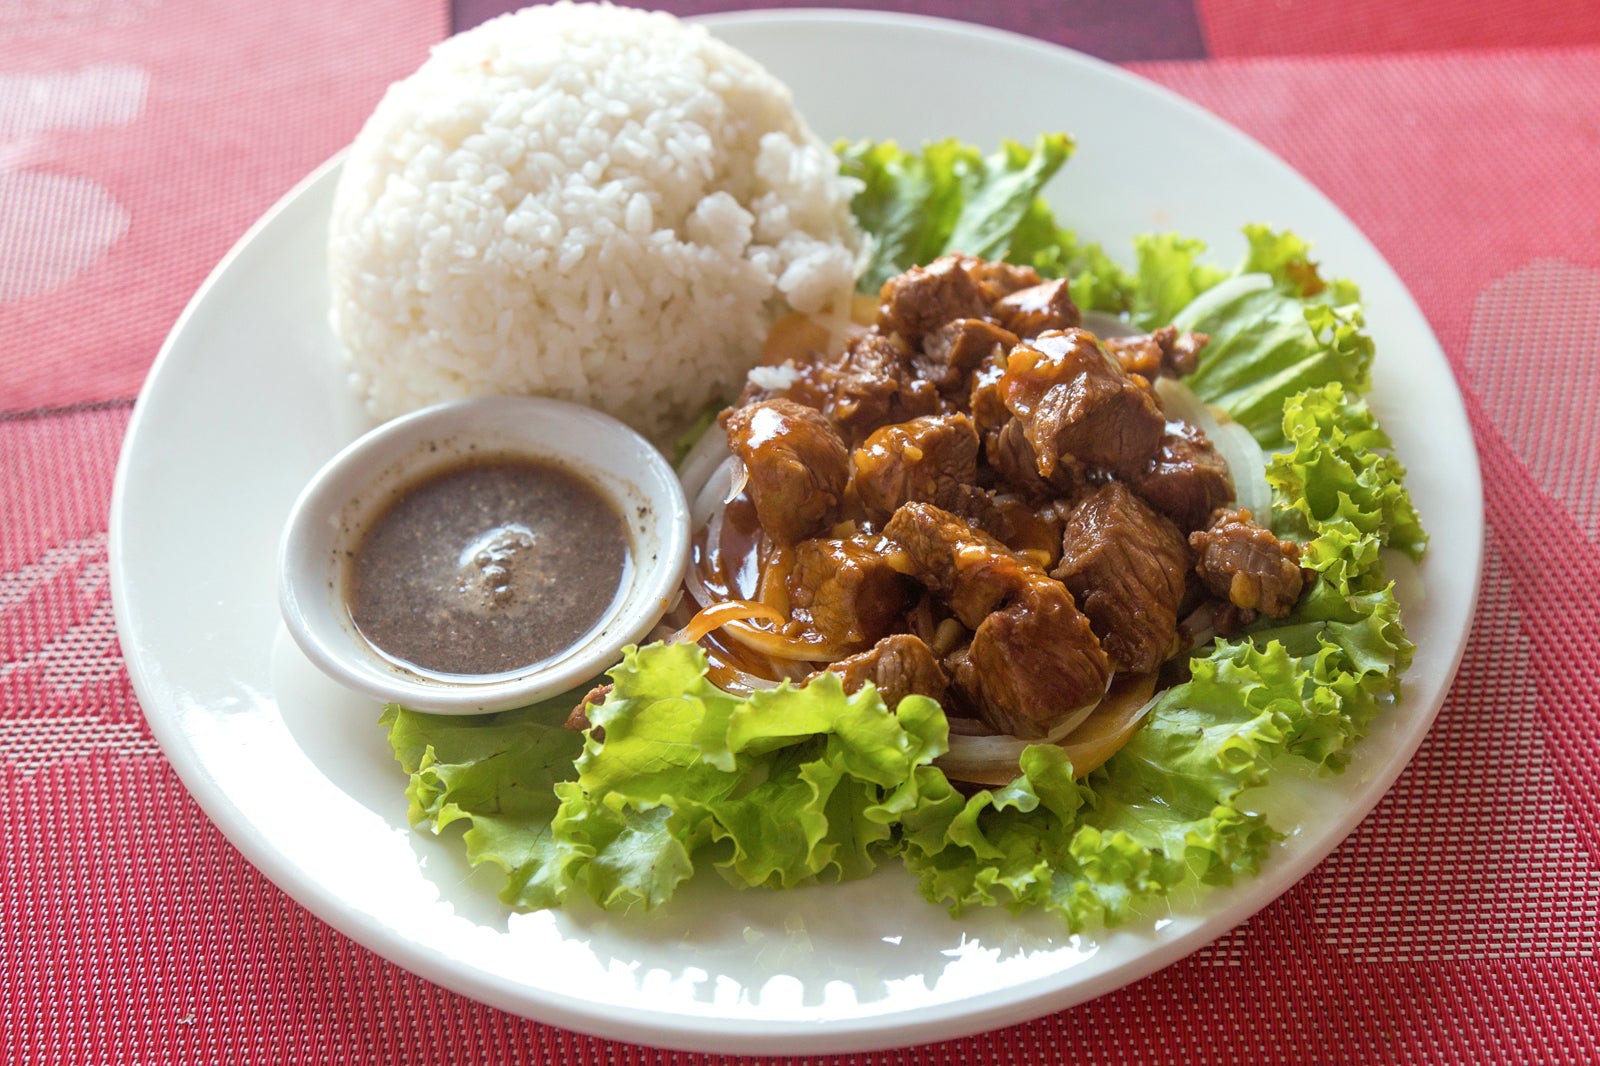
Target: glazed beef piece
1249,567
932,459
925,298
1032,529
972,572
798,466
899,665
1166,352
1127,567
1016,464
1038,308
984,401
1187,480
1073,400
1033,658
1032,663
997,279
952,353
871,384
845,591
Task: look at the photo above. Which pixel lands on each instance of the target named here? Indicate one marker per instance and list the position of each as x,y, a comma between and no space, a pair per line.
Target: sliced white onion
738,478
739,682
1247,463
703,457
967,727
694,582
779,647
1092,738
713,494
713,618
1241,452
978,753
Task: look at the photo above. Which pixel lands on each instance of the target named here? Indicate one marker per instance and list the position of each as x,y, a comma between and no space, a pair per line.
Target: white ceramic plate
247,399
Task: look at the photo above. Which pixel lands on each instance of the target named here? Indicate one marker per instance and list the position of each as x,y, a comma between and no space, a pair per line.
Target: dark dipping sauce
488,567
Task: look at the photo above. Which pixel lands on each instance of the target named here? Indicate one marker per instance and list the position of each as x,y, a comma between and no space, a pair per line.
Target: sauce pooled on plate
487,567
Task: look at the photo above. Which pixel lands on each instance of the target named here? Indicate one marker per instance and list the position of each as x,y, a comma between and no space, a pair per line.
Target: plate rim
1012,1004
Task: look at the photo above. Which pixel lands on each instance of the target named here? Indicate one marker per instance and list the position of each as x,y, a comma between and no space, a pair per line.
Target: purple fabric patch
1120,31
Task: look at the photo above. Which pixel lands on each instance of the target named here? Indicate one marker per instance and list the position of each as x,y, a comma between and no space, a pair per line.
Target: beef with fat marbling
951,354
1246,565
899,665
925,298
996,279
1033,663
871,384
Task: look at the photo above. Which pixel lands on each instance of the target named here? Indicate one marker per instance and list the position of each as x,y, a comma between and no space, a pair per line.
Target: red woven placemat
1459,923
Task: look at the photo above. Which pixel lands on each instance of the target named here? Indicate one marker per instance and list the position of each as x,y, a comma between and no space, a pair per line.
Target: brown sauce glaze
488,567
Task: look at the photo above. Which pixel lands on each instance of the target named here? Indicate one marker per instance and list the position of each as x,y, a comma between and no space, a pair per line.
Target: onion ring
1092,738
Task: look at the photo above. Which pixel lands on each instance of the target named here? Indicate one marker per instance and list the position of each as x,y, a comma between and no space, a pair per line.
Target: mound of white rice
586,202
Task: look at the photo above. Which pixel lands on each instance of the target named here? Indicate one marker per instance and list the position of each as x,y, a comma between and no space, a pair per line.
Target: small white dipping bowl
352,490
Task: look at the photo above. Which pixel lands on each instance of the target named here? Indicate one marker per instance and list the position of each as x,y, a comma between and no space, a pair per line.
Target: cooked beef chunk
1188,479
872,384
1014,460
899,665
1127,566
997,279
798,466
1033,657
1180,355
1139,355
1031,311
1074,400
1032,529
953,352
971,571
984,402
1032,663
1150,355
925,298
845,591
931,459
1249,567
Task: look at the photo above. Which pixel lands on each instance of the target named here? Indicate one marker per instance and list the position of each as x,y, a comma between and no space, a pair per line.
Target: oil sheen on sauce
487,567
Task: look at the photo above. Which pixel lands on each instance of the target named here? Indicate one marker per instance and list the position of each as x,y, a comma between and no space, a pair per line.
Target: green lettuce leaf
1027,845
785,787
495,773
1267,345
917,206
1340,488
1170,275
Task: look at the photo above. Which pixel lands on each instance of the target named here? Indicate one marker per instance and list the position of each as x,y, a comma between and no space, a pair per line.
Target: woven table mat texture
1459,923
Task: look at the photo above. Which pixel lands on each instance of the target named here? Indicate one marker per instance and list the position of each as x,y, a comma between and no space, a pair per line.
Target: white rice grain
587,202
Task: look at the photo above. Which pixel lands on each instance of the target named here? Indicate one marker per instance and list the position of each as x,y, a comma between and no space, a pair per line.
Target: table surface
140,138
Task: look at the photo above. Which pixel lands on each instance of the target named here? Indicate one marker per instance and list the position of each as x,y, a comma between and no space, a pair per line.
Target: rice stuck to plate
592,203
